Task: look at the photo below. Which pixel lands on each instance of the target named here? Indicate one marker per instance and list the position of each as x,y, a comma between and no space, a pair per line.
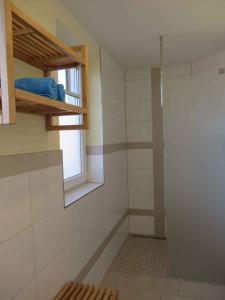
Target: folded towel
44,86
60,92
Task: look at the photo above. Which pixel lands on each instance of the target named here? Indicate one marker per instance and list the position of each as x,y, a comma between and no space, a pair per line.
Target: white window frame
73,182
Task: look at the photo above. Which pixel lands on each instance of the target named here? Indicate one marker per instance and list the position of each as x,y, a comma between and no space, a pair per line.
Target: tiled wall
115,161
42,245
140,153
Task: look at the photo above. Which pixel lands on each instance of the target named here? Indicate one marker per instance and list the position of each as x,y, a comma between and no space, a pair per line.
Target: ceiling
130,29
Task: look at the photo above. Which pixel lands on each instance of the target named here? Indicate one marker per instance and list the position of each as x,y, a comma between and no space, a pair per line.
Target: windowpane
72,100
71,144
71,140
62,78
75,80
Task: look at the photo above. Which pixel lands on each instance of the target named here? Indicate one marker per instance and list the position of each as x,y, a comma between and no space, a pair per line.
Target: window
72,142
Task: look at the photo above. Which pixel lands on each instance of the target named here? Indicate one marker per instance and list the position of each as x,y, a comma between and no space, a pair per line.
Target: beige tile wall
42,245
140,159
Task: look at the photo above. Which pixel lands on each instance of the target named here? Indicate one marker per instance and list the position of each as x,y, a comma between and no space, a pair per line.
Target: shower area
181,251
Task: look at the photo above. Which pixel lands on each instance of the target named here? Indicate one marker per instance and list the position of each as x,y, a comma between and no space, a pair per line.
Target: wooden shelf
25,39
35,45
43,106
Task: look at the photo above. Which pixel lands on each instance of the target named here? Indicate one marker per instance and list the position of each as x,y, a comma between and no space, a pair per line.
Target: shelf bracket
51,127
6,64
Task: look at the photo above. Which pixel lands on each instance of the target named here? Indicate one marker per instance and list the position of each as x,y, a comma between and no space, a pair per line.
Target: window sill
80,191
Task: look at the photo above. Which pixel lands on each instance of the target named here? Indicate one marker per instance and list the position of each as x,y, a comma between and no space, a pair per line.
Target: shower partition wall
194,134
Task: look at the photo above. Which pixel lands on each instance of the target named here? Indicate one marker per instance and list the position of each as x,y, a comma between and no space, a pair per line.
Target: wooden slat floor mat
74,291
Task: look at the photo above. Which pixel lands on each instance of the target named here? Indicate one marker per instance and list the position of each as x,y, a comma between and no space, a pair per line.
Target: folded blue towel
44,86
60,92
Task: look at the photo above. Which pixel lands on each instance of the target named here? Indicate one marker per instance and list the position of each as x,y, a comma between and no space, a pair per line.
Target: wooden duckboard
74,291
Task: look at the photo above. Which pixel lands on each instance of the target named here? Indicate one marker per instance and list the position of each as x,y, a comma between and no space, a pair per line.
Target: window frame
72,182
77,180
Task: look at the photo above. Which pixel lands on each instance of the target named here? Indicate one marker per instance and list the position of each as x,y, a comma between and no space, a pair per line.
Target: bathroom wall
115,208
42,244
140,153
194,168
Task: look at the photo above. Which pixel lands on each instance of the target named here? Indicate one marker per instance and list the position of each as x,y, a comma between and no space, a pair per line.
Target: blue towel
60,92
44,86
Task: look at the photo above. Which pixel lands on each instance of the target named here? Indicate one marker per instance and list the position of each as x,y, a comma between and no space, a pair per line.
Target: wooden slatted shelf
72,291
36,46
38,105
25,39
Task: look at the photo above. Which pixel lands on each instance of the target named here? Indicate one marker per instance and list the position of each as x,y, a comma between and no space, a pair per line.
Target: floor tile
132,294
142,269
131,281
201,291
160,285
110,279
174,297
142,256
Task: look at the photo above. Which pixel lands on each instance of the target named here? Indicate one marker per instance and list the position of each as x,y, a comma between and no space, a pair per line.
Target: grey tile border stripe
11,165
146,212
110,148
139,145
94,150
114,147
83,273
105,149
158,163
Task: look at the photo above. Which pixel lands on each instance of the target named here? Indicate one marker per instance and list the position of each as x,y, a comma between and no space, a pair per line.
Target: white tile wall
137,90
139,131
140,179
28,293
55,248
104,262
15,207
112,76
95,168
114,131
16,264
140,161
141,199
113,107
138,74
114,164
143,225
54,243
60,270
45,196
139,111
55,228
115,199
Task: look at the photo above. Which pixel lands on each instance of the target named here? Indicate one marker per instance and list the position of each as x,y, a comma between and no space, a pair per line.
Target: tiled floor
139,273
142,256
